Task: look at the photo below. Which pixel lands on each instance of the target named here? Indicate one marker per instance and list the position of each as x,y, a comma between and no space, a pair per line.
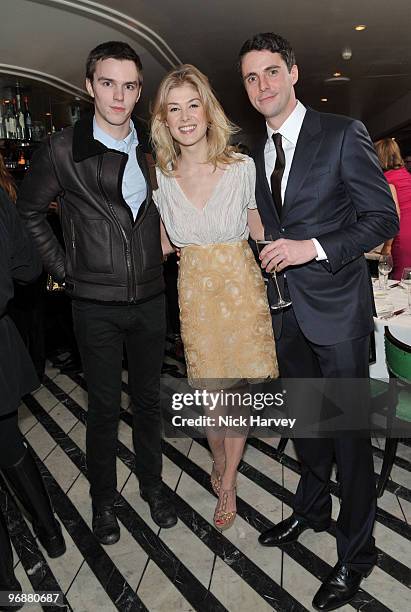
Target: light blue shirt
134,186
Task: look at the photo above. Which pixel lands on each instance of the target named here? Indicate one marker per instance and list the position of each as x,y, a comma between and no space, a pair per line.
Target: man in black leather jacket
112,268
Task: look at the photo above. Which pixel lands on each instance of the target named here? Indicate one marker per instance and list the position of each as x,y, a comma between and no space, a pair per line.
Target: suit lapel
308,143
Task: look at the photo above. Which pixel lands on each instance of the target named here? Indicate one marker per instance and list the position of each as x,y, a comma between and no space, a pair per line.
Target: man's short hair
112,49
268,41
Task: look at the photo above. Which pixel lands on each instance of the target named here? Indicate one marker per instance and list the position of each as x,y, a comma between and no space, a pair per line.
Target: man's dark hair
113,49
268,41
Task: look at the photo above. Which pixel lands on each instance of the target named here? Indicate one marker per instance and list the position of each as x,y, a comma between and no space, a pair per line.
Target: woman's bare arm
254,224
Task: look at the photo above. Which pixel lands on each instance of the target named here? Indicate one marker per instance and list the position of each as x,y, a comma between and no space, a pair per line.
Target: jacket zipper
146,173
73,240
129,263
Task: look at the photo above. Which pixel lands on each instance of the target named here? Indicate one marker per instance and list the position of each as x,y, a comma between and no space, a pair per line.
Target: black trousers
299,358
12,447
101,331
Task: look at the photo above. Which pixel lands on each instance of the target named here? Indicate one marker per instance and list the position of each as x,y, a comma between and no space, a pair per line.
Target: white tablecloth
399,326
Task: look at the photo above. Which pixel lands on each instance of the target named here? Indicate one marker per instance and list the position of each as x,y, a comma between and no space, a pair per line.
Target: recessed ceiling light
48,114
337,74
324,99
339,79
360,27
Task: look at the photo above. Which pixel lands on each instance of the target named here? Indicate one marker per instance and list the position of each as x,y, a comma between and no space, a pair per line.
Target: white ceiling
51,38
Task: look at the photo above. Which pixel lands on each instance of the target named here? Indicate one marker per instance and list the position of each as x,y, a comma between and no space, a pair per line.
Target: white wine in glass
406,283
281,302
385,265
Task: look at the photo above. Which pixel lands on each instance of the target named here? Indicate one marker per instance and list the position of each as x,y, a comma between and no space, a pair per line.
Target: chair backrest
398,357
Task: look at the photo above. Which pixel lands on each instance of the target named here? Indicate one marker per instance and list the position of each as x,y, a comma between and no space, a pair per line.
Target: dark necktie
277,174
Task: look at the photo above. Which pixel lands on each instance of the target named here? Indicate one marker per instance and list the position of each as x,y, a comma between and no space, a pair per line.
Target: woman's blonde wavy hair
220,128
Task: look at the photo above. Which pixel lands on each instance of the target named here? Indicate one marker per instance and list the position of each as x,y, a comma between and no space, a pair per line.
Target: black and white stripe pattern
192,566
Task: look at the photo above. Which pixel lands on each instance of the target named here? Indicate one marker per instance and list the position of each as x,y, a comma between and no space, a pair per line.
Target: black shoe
25,480
339,588
71,366
287,531
162,510
105,525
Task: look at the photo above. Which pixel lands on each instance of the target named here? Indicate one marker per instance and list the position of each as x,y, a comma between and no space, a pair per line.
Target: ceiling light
324,99
360,27
346,53
337,74
340,79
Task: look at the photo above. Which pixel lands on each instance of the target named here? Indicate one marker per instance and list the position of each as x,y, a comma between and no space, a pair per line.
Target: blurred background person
407,162
27,306
398,177
19,261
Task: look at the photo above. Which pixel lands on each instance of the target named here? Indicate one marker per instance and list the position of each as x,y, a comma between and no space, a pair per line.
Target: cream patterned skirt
225,318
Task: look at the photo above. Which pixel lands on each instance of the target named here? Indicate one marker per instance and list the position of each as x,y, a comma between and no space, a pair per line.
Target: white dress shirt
290,130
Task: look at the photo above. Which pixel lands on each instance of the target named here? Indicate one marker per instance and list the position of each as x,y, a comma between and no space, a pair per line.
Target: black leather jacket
109,256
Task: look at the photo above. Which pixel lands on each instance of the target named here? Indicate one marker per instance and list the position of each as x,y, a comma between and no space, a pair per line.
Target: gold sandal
223,519
215,480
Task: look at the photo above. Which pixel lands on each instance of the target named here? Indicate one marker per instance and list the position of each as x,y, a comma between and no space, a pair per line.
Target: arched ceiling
50,39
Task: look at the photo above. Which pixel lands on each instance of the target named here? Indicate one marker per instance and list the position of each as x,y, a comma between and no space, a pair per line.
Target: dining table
391,311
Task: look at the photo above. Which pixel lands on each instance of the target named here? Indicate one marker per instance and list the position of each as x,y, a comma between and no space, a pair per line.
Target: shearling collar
84,144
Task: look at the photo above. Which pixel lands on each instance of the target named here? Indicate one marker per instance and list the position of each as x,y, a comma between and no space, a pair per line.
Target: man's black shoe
71,367
287,531
162,510
105,525
339,588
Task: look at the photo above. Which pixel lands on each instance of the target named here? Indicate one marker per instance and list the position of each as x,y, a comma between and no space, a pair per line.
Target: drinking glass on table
406,283
385,265
280,302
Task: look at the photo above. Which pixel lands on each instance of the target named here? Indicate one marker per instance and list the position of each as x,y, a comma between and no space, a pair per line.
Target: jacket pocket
91,245
150,242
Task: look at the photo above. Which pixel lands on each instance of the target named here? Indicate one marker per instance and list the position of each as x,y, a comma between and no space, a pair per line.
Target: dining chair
398,359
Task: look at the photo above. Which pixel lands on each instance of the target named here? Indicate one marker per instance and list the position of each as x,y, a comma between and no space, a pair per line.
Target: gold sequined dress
225,319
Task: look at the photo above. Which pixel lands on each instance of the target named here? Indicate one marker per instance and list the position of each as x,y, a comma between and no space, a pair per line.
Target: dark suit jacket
337,193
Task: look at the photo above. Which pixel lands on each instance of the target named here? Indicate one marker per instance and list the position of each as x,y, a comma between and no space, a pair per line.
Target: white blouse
224,216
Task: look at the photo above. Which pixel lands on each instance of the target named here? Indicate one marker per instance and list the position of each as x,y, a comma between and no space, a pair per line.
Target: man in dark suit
322,196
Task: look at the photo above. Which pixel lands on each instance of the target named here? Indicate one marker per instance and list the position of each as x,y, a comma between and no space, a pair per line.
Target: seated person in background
398,178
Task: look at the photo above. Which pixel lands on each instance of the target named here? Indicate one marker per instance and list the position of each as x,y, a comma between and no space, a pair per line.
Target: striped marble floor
192,566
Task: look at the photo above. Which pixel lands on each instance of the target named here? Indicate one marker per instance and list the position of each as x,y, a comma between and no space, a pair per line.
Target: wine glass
281,302
406,283
385,265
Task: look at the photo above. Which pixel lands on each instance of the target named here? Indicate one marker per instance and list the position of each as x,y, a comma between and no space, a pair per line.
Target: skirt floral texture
225,318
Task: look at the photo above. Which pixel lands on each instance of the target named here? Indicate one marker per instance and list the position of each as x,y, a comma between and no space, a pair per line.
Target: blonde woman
206,200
